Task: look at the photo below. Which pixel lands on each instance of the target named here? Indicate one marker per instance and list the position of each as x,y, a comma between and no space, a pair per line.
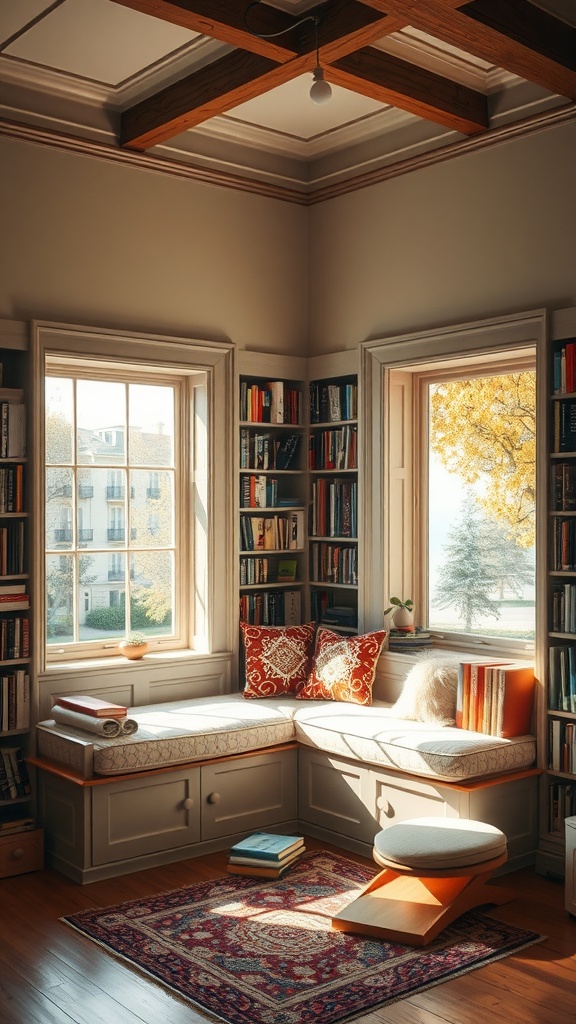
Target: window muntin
105,440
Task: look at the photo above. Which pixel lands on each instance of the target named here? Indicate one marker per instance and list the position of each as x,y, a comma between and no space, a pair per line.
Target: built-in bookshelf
333,514
272,493
20,841
559,740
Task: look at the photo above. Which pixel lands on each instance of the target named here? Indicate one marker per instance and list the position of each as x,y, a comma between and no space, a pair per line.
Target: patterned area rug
248,951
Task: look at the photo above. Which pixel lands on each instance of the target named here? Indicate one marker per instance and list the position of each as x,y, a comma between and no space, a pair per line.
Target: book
93,706
259,862
514,694
266,846
264,869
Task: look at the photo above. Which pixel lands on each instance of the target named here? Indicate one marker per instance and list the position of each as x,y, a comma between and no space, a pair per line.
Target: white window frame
209,508
392,513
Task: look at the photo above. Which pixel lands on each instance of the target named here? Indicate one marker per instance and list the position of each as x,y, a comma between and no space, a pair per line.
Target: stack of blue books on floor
265,855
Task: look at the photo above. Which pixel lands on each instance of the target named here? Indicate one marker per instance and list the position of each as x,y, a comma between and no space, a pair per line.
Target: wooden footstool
435,869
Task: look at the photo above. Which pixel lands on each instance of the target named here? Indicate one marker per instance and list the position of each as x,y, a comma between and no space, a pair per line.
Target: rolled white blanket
108,727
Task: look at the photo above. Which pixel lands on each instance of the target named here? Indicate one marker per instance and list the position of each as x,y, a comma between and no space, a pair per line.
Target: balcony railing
115,493
116,534
63,536
85,535
116,575
85,491
153,492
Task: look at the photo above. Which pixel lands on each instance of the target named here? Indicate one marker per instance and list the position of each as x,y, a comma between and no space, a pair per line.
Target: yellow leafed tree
485,428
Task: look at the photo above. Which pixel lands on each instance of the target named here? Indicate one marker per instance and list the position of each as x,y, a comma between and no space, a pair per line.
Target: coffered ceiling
221,90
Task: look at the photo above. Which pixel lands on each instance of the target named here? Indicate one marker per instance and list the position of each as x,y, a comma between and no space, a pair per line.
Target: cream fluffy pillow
429,691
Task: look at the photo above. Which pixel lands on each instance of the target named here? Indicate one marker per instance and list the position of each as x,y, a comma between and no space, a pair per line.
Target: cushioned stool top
439,843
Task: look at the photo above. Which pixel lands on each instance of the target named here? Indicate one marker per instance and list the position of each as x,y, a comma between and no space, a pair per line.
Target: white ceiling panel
15,14
89,38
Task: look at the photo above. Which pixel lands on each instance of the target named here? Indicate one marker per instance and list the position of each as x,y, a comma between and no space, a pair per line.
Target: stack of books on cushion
401,640
265,855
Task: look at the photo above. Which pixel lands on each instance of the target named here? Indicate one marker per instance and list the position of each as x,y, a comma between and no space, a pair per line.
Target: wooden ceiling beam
390,80
345,26
224,20
212,90
511,34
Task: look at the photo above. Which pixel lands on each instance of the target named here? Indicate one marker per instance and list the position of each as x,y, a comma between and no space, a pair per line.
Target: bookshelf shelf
272,491
559,734
15,650
333,524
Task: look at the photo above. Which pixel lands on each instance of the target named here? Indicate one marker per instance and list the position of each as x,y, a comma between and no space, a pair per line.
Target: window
133,493
450,524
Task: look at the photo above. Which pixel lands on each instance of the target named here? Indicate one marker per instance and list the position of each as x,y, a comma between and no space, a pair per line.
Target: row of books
333,511
271,608
254,571
12,430
16,823
14,778
272,533
562,677
12,488
333,449
563,486
273,402
563,555
563,608
260,491
334,563
564,425
564,368
14,638
561,805
265,855
495,698
13,597
264,451
14,701
331,403
12,554
562,745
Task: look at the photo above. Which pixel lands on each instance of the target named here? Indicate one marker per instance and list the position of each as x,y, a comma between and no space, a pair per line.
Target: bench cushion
182,732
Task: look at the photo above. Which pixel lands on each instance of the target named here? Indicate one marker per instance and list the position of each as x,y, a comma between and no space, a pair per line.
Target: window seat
186,731
200,774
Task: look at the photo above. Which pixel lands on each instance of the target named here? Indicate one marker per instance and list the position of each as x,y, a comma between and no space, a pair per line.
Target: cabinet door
401,797
248,793
337,795
139,816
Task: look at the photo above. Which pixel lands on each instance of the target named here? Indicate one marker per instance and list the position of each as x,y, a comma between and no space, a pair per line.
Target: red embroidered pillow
277,658
344,667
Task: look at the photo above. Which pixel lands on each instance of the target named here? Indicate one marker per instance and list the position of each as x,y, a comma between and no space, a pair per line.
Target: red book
93,706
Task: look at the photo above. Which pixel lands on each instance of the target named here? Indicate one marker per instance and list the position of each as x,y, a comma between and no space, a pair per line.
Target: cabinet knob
18,853
188,804
214,798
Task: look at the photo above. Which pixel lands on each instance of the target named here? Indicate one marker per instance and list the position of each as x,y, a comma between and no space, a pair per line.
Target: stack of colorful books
405,642
265,855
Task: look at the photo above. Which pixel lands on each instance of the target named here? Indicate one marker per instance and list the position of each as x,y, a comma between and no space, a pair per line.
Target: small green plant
396,603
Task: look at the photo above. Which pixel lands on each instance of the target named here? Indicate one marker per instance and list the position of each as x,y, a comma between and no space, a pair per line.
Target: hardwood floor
50,975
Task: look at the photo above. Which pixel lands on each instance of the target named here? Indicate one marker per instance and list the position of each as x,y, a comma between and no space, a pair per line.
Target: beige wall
90,242
487,233
97,243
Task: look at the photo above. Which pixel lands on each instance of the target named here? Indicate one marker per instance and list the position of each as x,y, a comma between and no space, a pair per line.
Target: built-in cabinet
333,519
105,827
20,840
559,659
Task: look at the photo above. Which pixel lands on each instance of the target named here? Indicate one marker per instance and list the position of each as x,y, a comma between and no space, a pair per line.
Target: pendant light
320,91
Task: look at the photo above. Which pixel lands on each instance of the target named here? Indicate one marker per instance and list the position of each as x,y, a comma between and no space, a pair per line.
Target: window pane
151,425
101,422
59,598
59,509
152,577
481,505
151,508
59,420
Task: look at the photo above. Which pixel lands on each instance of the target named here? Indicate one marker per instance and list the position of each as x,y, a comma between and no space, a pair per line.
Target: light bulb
320,91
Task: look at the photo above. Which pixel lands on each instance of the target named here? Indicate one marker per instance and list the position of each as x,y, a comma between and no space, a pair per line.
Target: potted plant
403,617
133,646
